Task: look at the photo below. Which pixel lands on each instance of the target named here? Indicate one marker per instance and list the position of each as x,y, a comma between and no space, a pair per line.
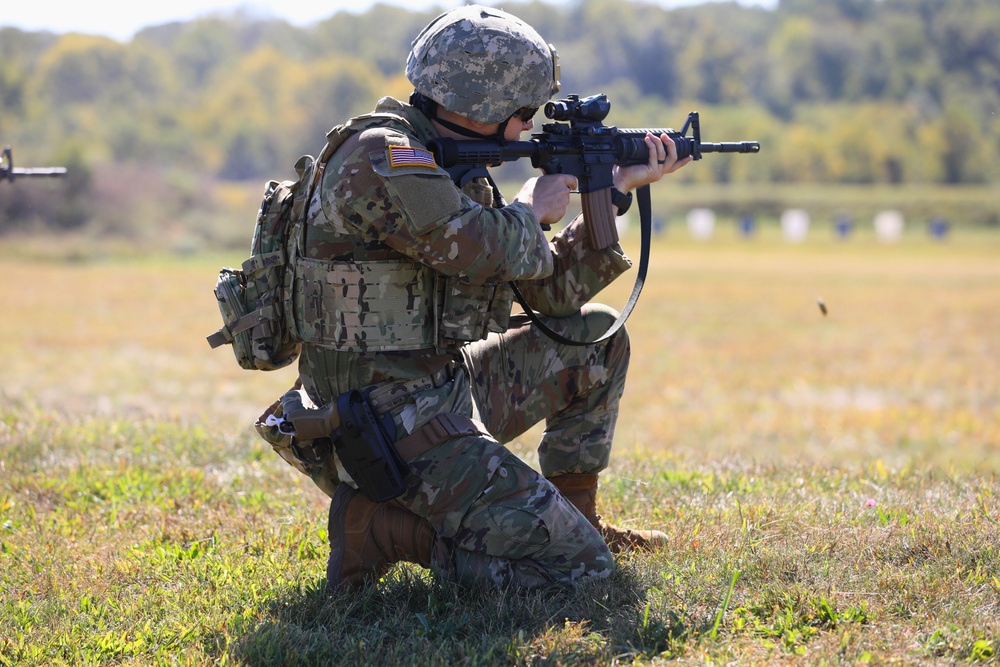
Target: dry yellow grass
125,337
731,353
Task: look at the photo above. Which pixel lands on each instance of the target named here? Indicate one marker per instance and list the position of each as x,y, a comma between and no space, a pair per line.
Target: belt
388,395
443,427
385,396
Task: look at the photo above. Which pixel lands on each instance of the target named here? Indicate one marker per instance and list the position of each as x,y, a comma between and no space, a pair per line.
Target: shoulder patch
405,156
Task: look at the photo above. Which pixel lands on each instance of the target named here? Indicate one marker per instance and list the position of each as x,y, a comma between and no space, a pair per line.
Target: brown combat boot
367,538
581,490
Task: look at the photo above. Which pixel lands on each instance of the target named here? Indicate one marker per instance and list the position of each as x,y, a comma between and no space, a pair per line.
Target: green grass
160,544
828,482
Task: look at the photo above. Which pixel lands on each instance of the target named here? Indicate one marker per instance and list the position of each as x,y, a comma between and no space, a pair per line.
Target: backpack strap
226,334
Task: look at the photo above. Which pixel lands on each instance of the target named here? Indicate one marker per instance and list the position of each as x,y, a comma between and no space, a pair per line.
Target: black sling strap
646,224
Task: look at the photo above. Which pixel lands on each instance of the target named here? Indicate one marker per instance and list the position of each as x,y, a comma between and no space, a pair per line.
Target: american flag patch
404,156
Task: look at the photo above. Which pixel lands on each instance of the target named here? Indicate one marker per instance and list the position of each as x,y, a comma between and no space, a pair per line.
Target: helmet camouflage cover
483,63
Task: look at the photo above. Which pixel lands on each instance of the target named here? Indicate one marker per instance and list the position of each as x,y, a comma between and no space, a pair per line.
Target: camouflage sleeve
384,185
578,274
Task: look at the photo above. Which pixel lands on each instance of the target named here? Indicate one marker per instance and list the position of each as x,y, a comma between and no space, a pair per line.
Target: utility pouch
471,312
365,448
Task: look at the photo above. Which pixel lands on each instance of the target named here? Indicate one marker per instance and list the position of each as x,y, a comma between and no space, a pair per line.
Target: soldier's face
516,127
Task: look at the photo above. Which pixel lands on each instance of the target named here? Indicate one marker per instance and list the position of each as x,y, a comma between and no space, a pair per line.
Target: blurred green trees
837,91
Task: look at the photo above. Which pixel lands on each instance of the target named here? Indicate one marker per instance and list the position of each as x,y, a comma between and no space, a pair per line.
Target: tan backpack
255,301
252,299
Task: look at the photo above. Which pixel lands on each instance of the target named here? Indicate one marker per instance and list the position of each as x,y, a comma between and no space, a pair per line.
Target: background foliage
156,131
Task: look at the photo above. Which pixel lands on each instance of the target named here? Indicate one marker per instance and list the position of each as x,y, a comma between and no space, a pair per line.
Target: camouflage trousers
498,520
522,377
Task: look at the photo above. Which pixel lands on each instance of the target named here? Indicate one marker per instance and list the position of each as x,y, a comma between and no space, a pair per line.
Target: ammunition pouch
277,432
471,312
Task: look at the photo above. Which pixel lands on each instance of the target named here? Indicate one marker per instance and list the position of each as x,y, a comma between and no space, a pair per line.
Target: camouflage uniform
497,519
401,283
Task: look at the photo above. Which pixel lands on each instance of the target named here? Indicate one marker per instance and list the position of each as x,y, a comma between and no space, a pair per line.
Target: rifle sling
646,224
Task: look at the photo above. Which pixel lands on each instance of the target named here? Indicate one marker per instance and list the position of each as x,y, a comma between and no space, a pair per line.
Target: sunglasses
524,114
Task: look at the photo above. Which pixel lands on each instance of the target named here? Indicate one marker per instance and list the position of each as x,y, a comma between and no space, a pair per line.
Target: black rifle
589,150
8,171
585,148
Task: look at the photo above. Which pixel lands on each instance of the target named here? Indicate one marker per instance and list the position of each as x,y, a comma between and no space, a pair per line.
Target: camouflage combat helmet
483,63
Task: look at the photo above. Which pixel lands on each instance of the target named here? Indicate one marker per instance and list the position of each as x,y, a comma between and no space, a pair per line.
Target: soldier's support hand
662,160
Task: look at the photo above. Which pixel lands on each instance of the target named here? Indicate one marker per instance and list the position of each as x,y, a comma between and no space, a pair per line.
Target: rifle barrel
8,171
730,147
39,171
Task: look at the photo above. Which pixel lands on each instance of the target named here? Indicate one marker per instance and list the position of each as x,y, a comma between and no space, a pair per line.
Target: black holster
365,448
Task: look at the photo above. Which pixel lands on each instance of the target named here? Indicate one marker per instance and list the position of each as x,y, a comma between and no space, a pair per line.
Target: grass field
829,482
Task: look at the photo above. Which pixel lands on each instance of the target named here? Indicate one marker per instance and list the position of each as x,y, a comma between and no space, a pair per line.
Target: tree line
837,91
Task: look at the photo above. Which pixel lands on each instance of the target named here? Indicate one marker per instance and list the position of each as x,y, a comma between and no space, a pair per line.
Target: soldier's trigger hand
548,196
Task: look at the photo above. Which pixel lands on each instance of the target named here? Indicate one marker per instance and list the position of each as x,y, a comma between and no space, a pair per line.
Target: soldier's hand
662,160
548,195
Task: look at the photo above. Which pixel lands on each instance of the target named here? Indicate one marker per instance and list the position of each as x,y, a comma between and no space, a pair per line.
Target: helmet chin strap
430,108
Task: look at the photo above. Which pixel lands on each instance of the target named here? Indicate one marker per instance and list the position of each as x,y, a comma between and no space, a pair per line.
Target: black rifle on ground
8,171
585,148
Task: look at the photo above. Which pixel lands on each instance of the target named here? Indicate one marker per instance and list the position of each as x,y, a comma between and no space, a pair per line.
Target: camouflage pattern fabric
498,520
521,378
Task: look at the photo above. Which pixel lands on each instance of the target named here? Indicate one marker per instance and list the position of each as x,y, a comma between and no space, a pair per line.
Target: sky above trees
113,18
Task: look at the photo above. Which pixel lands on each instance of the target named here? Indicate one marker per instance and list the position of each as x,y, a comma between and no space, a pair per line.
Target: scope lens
556,110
